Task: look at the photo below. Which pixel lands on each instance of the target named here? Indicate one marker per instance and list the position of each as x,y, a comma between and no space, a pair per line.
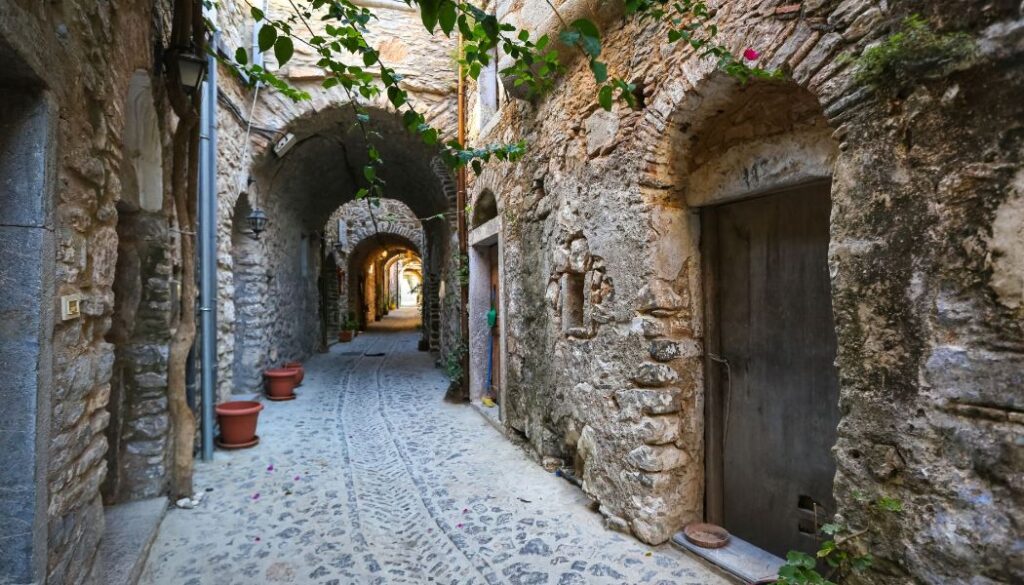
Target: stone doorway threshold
738,558
130,531
491,414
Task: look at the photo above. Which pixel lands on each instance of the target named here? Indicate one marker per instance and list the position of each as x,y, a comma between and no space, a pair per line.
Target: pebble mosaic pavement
370,478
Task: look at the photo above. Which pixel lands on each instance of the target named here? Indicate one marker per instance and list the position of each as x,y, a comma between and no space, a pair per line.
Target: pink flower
458,525
270,467
750,54
256,496
297,478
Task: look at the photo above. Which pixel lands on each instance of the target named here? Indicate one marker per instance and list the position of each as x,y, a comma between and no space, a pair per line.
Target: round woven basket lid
706,535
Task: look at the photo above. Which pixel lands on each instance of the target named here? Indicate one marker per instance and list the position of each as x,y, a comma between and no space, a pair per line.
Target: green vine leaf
429,13
446,17
266,37
604,97
283,50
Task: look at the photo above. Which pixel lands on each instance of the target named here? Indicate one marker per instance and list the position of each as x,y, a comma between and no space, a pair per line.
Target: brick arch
697,151
290,115
692,106
388,228
447,181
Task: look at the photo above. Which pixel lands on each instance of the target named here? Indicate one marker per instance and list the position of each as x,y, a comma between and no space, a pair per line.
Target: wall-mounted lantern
191,67
257,222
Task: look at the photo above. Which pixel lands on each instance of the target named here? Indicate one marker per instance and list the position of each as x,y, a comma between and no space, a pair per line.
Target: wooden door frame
714,460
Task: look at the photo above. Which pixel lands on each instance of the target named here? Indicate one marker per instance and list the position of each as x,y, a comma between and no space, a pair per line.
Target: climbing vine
353,64
453,362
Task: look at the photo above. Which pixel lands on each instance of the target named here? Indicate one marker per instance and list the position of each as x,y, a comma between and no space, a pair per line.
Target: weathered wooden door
492,259
773,389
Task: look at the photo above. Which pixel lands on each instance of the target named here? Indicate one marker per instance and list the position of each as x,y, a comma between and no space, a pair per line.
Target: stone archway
487,340
754,163
138,452
485,208
367,266
321,172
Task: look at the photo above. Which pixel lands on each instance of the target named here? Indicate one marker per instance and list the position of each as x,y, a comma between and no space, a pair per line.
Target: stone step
130,531
738,558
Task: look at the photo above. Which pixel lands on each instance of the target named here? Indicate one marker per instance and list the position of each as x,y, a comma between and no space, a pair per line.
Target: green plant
912,51
463,260
843,552
453,362
351,323
352,64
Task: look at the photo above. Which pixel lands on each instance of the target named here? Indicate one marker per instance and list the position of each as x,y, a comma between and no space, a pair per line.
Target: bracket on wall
70,307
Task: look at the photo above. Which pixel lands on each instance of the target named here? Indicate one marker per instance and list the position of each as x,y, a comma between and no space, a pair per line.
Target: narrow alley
525,292
369,477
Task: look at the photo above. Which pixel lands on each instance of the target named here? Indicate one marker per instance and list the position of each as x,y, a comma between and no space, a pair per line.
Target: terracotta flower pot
280,383
345,335
301,371
237,422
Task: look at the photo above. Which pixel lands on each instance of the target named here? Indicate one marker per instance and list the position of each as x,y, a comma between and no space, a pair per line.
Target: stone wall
354,222
300,188
78,59
604,286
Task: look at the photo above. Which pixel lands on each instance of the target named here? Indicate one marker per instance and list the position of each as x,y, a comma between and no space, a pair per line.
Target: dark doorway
27,306
773,390
330,290
493,389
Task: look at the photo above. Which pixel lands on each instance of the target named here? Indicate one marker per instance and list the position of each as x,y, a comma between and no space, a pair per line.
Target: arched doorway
302,190
772,390
411,284
330,291
486,304
137,435
373,269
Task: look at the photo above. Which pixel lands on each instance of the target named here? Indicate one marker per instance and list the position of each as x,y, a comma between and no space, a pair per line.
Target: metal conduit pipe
208,251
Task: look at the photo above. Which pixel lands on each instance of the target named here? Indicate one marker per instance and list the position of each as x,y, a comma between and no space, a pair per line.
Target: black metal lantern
191,68
257,222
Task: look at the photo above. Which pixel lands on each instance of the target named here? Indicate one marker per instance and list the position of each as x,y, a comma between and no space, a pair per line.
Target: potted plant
300,372
281,383
237,422
348,328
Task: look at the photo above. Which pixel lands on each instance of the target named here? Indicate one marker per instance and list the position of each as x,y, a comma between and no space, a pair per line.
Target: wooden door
495,292
773,388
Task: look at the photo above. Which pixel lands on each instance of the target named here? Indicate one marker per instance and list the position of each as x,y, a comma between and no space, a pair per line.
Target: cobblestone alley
369,477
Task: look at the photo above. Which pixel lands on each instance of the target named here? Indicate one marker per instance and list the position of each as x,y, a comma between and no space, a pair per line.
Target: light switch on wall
70,307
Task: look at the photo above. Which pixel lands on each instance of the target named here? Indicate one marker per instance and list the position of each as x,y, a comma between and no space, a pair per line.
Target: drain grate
374,354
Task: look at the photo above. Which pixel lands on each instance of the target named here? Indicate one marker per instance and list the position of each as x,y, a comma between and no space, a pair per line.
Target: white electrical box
284,144
70,307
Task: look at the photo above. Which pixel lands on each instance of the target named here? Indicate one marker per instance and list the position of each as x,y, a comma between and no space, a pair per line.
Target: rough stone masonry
926,191
604,283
